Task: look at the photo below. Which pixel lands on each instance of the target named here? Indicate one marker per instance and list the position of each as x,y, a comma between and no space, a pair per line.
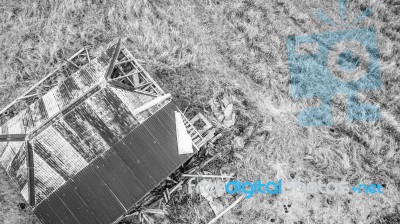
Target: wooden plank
151,103
31,173
114,59
12,137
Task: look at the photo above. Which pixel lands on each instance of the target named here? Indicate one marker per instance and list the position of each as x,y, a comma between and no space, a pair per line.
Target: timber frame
124,72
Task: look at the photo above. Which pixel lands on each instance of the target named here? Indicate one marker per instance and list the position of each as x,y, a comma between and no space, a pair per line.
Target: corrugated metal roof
116,180
93,155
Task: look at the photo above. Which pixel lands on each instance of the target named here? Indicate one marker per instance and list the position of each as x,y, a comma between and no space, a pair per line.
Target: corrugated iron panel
164,140
85,131
80,145
152,144
72,87
113,112
58,153
59,209
46,214
10,152
97,123
46,179
38,112
104,59
27,120
83,79
75,204
131,159
153,161
15,125
119,178
18,168
50,102
112,182
97,196
96,70
63,95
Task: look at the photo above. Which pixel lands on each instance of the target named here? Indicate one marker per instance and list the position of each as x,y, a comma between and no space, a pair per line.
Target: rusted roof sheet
93,153
117,179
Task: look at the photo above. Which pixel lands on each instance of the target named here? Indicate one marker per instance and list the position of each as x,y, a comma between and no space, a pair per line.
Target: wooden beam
121,77
24,97
73,64
31,173
87,54
12,137
120,85
123,62
37,84
128,54
151,103
113,59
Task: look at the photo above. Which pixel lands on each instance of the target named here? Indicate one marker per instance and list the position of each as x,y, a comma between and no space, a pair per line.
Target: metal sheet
97,123
11,150
112,182
46,179
134,164
85,131
27,120
51,103
153,162
38,112
113,112
163,137
46,214
59,208
72,87
83,79
104,59
96,194
152,144
82,146
63,95
18,168
130,189
75,204
58,153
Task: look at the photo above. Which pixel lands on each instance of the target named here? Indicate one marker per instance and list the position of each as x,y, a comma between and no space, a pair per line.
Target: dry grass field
202,49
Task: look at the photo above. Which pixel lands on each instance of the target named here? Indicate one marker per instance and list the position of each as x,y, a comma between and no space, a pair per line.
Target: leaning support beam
113,59
31,173
12,138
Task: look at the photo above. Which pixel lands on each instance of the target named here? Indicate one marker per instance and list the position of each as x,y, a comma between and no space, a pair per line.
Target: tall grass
198,49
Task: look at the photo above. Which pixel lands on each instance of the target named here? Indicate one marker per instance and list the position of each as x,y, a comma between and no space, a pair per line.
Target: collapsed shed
87,148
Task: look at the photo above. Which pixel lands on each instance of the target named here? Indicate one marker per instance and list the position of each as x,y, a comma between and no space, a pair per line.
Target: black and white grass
205,49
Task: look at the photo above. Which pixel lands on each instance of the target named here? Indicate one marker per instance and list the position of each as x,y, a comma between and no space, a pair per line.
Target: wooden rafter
12,137
43,80
113,59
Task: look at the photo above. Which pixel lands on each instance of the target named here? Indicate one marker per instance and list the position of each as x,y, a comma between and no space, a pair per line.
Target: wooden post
31,173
